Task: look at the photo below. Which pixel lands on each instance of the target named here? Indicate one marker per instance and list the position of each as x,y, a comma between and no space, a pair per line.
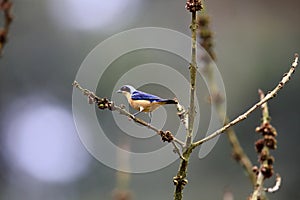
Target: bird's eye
125,88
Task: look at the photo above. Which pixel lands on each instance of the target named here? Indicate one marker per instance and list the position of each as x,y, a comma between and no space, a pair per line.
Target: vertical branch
265,110
206,41
193,70
180,179
122,192
263,147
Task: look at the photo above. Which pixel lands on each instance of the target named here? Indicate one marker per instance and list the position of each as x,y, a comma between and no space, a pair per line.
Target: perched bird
141,101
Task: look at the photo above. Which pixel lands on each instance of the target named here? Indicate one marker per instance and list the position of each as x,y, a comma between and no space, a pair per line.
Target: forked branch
286,77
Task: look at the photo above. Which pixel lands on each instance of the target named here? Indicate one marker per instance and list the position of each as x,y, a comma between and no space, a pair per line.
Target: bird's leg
141,110
150,116
136,113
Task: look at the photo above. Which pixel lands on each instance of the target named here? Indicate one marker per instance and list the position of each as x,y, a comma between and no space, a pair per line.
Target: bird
142,101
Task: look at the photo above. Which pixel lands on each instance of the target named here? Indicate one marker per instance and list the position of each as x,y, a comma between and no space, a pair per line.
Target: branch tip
276,187
193,5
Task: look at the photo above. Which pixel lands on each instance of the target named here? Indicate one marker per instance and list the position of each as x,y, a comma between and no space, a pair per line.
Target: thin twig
177,150
270,95
276,187
181,143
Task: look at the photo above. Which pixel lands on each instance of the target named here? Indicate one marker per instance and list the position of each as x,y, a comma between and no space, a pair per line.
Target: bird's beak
119,91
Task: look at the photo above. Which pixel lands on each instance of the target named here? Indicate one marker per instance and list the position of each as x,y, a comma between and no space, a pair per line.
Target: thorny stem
270,95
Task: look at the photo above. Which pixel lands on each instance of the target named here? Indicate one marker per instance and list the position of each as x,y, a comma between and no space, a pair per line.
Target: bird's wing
138,95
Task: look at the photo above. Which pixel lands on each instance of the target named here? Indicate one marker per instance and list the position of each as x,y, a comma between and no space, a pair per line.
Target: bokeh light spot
92,14
41,140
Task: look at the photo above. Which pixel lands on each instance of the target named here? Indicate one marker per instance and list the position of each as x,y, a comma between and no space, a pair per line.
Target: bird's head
126,89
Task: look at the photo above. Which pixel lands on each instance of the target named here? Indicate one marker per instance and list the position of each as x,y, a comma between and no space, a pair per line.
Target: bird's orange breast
144,105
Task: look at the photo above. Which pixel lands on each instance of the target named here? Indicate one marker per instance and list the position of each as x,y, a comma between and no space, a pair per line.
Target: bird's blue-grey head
126,88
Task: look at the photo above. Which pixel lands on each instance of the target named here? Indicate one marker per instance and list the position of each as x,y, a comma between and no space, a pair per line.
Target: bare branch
270,95
177,150
188,118
193,70
263,147
104,103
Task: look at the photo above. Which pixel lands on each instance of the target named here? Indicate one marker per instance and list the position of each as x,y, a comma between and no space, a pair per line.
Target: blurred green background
41,156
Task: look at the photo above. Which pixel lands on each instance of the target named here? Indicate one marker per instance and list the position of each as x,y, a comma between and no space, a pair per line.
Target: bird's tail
169,101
